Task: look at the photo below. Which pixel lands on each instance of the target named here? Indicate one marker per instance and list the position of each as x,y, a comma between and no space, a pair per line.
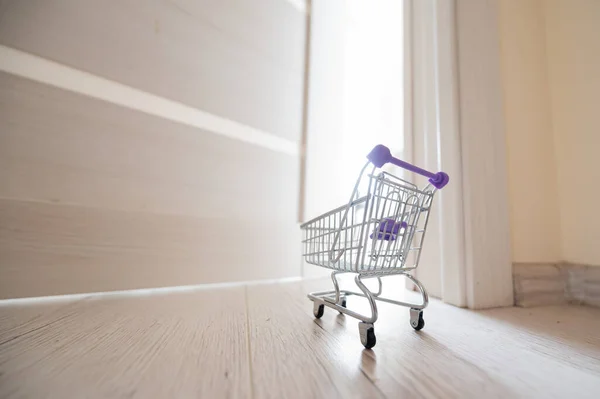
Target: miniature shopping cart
378,233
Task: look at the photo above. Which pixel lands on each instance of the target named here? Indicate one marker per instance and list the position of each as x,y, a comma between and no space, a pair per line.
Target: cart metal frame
378,234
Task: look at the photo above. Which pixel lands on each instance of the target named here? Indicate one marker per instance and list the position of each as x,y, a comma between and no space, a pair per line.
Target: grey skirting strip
552,284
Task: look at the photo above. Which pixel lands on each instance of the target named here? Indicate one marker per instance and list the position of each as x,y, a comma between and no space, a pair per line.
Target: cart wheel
343,304
318,310
367,334
416,319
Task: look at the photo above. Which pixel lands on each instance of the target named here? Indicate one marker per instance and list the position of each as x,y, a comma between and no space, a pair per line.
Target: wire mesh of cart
379,232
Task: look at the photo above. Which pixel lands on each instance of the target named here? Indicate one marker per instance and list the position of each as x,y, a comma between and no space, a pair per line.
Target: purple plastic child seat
389,229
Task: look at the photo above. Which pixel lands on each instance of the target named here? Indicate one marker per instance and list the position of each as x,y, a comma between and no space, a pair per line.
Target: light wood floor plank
178,345
294,356
508,352
404,363
263,342
18,319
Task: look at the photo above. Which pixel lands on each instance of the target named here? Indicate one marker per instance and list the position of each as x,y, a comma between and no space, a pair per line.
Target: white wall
535,224
148,143
573,47
550,64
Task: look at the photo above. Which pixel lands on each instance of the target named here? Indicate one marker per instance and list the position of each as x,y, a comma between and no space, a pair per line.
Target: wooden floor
262,342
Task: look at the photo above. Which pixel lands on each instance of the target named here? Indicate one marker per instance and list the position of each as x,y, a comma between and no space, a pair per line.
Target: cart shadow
447,371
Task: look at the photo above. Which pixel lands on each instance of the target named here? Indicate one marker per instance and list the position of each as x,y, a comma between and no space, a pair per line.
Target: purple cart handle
380,155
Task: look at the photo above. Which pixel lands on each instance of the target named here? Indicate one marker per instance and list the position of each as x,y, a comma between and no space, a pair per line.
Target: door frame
470,138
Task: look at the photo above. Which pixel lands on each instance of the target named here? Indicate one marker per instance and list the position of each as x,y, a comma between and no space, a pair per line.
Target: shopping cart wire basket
379,232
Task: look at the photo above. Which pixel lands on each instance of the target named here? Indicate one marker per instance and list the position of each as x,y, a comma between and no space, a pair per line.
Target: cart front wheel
318,310
367,334
416,319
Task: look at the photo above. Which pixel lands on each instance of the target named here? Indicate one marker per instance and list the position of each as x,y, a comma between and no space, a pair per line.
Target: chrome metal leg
336,299
380,289
369,295
422,289
336,285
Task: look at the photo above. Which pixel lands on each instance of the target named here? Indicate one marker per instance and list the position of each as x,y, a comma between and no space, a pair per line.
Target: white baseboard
145,291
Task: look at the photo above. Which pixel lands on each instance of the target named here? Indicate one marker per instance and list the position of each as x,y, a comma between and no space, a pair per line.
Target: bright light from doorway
374,81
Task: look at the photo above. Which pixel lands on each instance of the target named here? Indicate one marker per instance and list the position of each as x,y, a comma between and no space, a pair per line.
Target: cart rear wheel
318,310
343,304
367,334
